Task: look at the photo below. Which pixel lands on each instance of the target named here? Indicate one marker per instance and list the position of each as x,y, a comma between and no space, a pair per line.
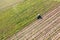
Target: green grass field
18,16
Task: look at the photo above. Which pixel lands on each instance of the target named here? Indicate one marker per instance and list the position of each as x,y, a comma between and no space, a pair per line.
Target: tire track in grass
10,4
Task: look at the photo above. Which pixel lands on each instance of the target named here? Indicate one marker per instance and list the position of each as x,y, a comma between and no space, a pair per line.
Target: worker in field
39,16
